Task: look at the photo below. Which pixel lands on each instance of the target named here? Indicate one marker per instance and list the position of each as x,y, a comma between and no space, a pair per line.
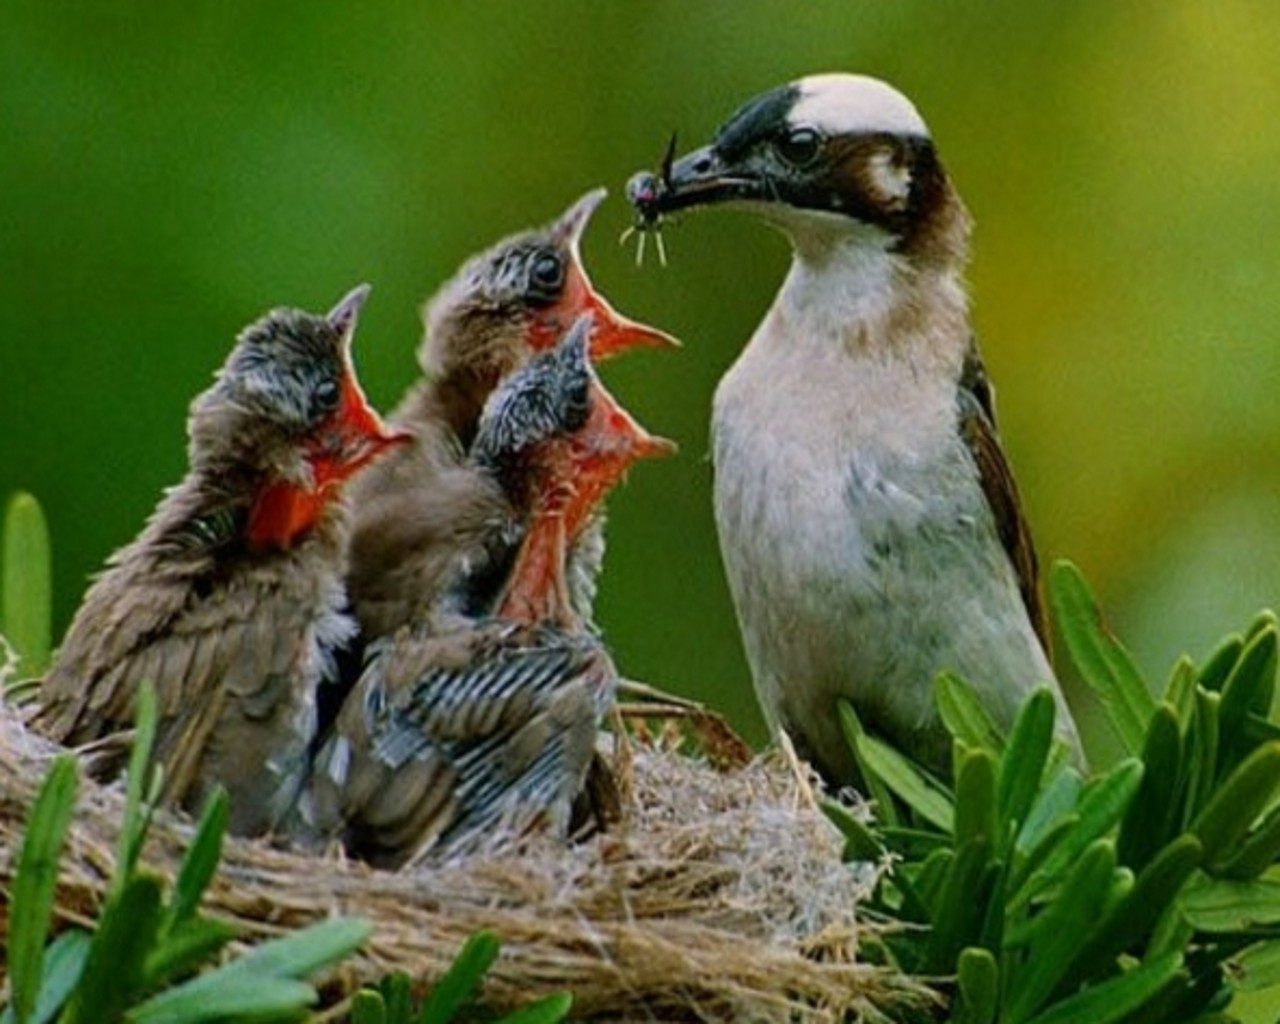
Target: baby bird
230,601
465,731
428,505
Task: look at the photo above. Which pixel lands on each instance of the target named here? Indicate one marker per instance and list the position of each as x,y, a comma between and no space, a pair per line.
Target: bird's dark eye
324,397
546,275
799,147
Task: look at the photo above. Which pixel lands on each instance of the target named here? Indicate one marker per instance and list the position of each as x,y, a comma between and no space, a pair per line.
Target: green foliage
143,961
1149,892
26,598
391,1003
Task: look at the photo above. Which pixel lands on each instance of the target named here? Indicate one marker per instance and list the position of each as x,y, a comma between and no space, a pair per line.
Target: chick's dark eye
324,397
547,275
799,147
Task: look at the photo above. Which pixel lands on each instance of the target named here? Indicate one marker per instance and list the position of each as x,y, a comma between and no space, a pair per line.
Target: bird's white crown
842,104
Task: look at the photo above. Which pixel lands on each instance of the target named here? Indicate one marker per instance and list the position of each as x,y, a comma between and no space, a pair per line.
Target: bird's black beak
699,178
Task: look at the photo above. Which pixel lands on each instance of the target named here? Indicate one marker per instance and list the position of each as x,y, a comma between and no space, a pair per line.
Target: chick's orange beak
356,433
611,332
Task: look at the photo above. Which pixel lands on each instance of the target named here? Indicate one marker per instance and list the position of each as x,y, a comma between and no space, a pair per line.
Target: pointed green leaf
975,799
201,862
978,987
929,880
185,947
64,961
851,726
1023,764
26,593
1202,754
1249,688
1113,1000
461,981
908,782
1127,923
1237,803
1180,694
1101,805
221,997
1149,821
550,1010
36,882
303,952
1103,662
860,842
133,831
1054,802
963,714
1257,853
1055,939
960,909
1219,664
114,975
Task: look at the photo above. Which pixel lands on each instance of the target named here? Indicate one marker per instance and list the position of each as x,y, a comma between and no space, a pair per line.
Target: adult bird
428,507
471,727
230,602
869,523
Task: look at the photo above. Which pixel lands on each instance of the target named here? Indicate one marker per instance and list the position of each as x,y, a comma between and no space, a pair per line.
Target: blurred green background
169,171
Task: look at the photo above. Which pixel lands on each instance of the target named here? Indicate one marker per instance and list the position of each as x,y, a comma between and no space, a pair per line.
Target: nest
720,897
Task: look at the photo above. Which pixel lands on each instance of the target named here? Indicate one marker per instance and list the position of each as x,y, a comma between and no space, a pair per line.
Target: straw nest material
720,897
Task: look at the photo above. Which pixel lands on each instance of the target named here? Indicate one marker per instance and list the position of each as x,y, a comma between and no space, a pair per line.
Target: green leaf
1258,967
963,714
114,975
395,990
860,841
1180,694
1237,803
1257,853
185,946
305,951
975,799
133,830
64,960
1115,999
201,862
1220,663
1023,764
1222,906
220,996
1101,805
1249,688
1128,922
1149,821
851,726
960,909
26,593
978,987
1054,802
36,882
918,792
460,982
1202,754
1103,663
1055,938
368,1007
550,1010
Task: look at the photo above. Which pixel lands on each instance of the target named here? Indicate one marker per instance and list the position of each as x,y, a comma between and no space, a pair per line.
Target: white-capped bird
869,523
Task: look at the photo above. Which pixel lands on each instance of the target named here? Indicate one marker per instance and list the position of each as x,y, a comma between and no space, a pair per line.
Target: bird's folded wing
977,428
